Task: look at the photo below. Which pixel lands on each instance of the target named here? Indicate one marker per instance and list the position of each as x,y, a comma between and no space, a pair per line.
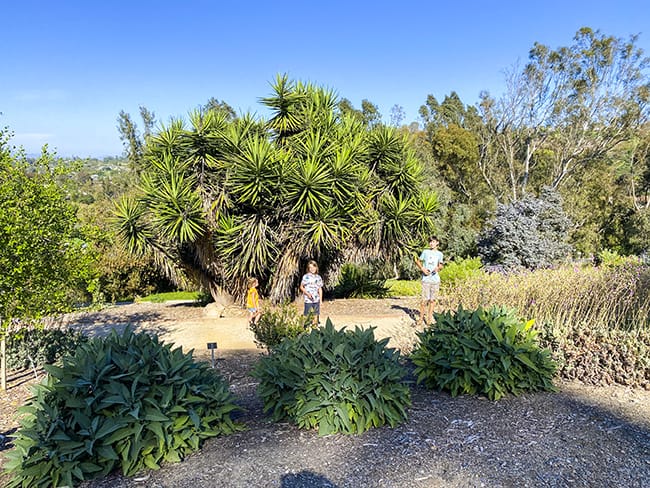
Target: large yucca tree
223,200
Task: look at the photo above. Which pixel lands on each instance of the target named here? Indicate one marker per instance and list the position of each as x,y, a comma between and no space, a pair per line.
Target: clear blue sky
69,67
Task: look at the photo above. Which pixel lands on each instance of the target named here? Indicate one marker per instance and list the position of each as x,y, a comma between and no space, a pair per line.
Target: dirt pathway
192,327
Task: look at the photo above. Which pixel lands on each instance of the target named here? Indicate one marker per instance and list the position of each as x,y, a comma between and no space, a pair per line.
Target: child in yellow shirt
253,301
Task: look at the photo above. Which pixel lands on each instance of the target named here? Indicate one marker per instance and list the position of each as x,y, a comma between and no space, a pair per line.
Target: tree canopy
228,198
43,256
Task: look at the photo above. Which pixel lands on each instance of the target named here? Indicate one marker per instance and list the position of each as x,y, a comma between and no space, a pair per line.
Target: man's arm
419,264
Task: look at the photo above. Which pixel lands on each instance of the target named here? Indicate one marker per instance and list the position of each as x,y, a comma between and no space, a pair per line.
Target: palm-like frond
166,142
132,226
402,177
254,175
346,178
385,146
424,210
247,244
315,145
308,186
329,231
396,223
242,129
285,107
205,142
178,209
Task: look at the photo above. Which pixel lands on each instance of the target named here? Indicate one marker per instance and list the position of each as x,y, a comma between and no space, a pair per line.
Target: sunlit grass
602,298
172,295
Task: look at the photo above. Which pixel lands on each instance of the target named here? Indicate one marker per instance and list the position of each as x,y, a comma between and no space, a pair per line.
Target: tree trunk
3,362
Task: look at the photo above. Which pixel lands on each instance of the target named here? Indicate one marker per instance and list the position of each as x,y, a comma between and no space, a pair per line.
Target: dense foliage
126,401
359,281
335,381
600,357
530,233
278,323
44,258
593,319
487,351
227,199
34,347
458,270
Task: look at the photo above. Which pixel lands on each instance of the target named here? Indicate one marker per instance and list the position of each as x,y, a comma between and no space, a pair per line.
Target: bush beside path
580,436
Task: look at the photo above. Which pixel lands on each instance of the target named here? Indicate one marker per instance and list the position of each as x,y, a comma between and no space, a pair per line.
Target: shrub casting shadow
305,479
411,312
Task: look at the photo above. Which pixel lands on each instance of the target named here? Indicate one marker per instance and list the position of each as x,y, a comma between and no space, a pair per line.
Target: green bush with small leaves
486,351
599,357
335,381
126,401
33,347
459,270
278,323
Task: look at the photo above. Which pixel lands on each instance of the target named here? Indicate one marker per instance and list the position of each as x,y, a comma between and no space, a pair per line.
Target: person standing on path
253,302
430,263
311,287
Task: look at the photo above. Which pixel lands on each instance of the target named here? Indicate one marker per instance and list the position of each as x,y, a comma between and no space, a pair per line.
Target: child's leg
430,306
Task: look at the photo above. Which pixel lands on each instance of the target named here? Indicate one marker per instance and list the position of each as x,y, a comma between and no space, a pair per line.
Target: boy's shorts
430,291
312,308
252,310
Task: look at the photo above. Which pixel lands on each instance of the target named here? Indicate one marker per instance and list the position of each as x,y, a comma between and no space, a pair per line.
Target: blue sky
69,67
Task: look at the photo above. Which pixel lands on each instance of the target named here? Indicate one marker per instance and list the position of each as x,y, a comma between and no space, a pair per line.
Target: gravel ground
582,436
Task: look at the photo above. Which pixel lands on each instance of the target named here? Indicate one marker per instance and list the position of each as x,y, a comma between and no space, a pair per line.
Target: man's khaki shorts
430,291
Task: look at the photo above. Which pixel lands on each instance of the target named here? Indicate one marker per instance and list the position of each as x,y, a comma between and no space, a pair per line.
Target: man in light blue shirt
430,263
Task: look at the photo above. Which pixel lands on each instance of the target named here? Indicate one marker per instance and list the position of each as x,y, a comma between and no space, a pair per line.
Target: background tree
370,113
577,103
44,258
132,139
220,106
530,233
452,145
397,115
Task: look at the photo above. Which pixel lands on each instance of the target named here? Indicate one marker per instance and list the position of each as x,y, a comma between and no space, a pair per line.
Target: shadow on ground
101,323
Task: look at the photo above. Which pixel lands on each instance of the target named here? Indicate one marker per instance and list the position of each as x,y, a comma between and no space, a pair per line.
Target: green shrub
404,288
358,281
278,323
459,270
531,232
488,351
126,401
336,381
37,346
612,259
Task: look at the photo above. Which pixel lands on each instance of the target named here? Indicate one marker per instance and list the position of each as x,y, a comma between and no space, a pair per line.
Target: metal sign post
212,346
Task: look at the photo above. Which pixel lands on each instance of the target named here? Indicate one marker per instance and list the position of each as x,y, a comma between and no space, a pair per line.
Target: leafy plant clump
36,346
359,282
490,351
279,323
334,380
600,357
126,401
459,270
